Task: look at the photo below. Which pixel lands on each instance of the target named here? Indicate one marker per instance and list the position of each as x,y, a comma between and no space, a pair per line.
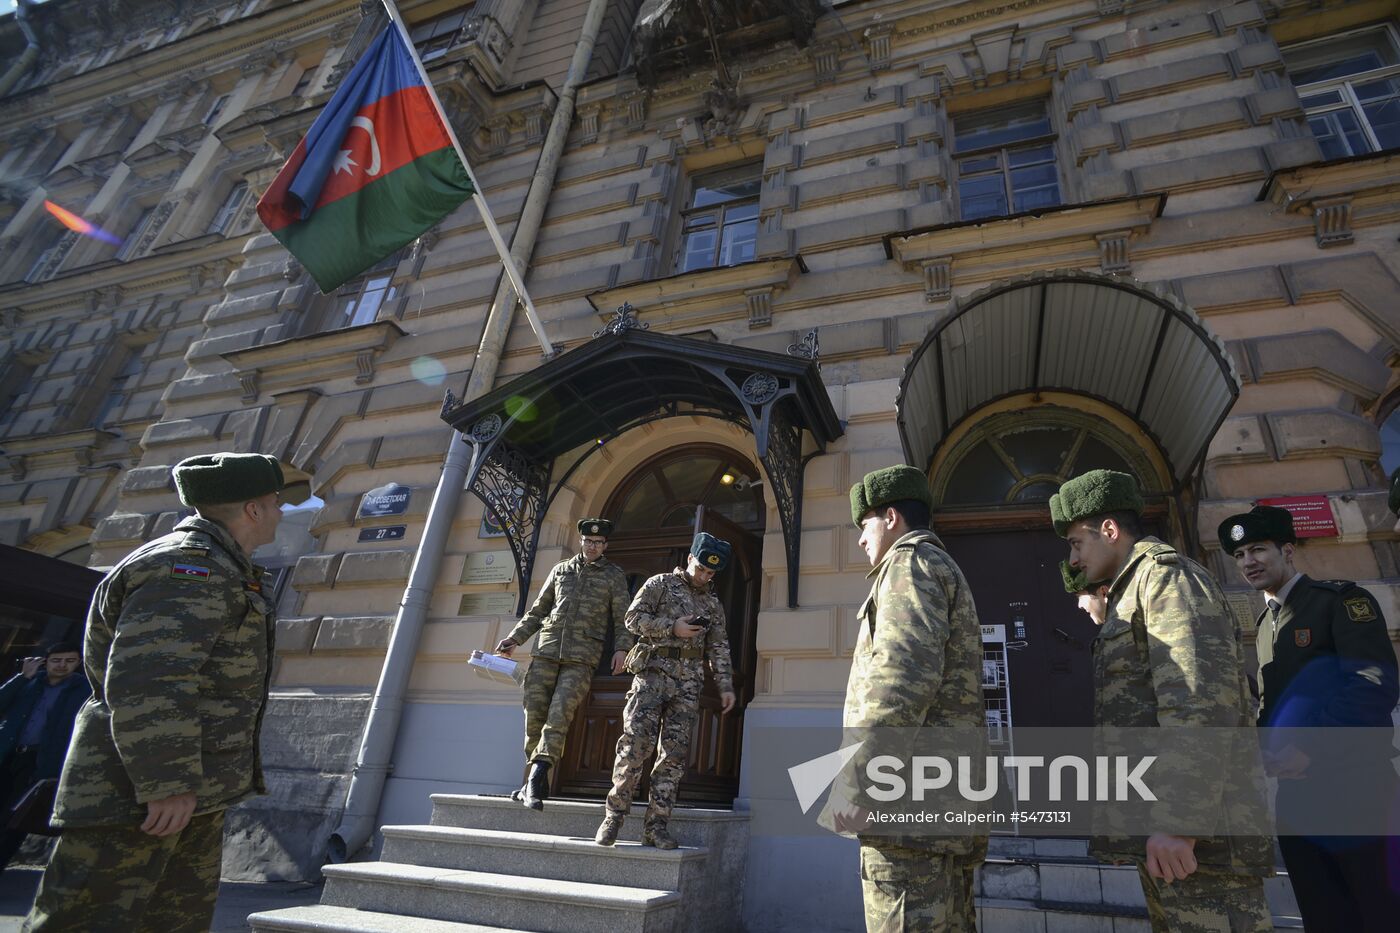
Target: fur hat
1097,492
891,484
213,479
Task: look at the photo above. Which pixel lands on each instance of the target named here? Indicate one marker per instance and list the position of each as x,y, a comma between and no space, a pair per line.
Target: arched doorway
655,509
992,488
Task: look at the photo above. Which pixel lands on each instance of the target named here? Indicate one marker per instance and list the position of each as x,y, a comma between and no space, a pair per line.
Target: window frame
330,318
227,211
720,209
131,244
436,44
1345,84
1003,151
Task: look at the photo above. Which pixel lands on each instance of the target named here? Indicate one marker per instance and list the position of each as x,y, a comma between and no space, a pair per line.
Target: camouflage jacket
178,649
1170,654
662,600
573,610
917,661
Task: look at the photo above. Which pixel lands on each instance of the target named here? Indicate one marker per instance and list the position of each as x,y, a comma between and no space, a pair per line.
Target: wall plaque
385,533
489,567
1312,515
385,500
487,604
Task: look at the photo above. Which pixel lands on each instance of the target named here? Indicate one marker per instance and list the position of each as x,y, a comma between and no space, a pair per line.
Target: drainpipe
357,821
29,56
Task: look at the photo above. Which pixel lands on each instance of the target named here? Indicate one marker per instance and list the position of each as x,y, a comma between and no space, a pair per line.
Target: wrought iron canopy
623,378
1134,346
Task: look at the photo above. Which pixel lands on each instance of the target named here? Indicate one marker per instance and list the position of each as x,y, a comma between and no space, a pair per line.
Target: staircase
488,864
1053,886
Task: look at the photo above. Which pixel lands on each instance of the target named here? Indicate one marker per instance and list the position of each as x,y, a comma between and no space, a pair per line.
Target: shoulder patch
189,572
1360,609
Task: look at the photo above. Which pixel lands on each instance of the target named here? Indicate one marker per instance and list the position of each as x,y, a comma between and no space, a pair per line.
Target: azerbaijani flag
375,171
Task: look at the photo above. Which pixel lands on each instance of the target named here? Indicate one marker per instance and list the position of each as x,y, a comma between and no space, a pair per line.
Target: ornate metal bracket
514,488
808,348
623,320
784,464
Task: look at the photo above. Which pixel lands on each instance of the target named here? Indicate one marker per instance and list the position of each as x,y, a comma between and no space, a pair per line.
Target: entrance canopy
1135,348
620,380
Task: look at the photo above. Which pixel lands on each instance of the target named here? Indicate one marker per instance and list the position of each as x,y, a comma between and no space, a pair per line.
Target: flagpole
511,271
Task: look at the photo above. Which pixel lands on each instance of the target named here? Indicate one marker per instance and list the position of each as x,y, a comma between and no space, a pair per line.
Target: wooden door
1016,582
712,773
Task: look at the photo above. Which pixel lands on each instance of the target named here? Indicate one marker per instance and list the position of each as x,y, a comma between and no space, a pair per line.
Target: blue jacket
18,697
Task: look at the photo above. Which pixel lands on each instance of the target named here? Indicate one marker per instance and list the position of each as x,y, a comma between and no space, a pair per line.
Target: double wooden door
712,772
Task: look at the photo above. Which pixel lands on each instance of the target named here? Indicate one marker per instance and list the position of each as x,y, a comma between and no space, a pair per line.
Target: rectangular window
119,389
719,226
37,267
1350,89
228,210
1005,161
433,38
215,110
359,302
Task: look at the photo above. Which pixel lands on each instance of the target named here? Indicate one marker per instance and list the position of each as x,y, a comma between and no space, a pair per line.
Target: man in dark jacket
37,723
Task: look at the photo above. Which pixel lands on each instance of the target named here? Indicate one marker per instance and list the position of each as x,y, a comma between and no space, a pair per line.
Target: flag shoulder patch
189,572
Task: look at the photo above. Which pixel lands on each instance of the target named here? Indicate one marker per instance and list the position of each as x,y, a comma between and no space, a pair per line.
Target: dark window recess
433,38
119,389
229,209
666,495
360,301
1027,465
1350,88
719,226
1005,161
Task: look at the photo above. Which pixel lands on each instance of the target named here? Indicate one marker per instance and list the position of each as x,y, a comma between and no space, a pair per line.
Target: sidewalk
236,901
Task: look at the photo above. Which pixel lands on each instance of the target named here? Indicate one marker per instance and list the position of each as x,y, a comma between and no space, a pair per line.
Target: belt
685,654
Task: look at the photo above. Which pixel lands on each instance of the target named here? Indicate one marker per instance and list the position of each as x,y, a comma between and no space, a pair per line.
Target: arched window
1022,457
663,494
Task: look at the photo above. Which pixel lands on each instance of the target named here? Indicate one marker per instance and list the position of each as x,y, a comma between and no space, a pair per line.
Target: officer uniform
917,662
178,646
1169,655
663,703
1326,660
578,601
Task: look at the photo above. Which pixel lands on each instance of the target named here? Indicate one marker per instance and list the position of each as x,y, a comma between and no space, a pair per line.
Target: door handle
1064,636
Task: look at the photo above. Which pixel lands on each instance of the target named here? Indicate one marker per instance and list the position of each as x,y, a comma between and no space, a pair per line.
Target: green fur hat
1097,492
891,484
213,479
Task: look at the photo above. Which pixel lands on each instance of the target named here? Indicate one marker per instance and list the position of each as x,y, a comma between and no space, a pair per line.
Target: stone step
320,918
538,855
691,826
538,904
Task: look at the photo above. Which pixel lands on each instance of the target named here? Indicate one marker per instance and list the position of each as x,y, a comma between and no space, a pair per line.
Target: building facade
1005,242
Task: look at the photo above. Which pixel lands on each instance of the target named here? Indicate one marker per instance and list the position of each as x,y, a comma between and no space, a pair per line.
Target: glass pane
982,197
643,505
1037,492
1034,155
700,221
737,505
1336,58
981,164
1381,102
981,477
1339,134
1094,454
729,185
449,24
688,478
741,212
698,250
1039,449
998,127
1321,100
680,515
1036,199
738,244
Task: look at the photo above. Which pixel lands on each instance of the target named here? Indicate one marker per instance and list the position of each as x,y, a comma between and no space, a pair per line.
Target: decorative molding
636,103
726,289
1113,251
248,381
938,278
622,320
1111,7
826,61
879,39
309,361
364,364
499,130
760,302
1332,221
588,122
18,466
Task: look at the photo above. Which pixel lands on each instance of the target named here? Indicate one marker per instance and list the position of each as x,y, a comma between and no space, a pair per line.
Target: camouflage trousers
118,879
660,710
917,891
553,692
1207,902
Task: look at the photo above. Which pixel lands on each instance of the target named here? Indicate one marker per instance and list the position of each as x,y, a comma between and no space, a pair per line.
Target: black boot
536,786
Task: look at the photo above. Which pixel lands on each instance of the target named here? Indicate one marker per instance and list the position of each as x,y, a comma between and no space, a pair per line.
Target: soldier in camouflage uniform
1090,597
917,662
1169,654
579,599
679,623
178,650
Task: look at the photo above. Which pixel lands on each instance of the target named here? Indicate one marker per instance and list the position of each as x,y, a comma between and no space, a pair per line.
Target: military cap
1394,500
879,488
1097,492
595,526
711,552
1261,523
213,479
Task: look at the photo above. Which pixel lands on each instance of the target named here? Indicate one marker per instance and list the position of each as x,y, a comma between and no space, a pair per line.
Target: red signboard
1312,515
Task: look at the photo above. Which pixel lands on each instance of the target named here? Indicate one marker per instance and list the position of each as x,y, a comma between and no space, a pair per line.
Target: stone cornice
994,237
308,361
728,288
73,450
1340,194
